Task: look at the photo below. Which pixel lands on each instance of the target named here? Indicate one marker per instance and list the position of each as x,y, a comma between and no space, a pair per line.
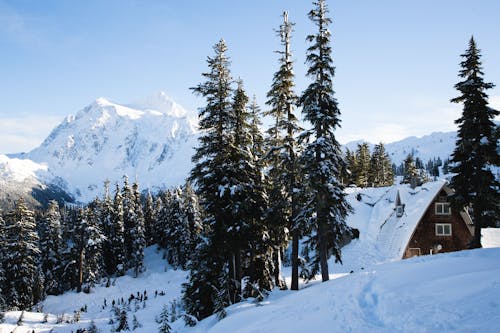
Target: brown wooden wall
425,237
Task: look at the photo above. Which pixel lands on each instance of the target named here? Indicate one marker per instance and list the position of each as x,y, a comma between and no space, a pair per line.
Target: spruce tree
149,219
282,157
380,172
21,258
2,271
137,232
108,229
323,162
118,233
250,234
51,246
362,165
210,176
476,149
410,171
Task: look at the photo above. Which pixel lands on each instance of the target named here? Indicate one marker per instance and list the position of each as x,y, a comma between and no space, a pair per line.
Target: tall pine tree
476,150
22,284
283,151
326,206
210,178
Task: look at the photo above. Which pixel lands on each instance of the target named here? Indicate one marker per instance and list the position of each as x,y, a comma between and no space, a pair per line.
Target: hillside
454,292
373,290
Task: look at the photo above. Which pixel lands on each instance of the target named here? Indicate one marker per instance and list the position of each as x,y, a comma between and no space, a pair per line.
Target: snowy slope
151,140
452,292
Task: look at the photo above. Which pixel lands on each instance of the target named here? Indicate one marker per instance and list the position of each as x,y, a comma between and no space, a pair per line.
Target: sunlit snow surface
454,292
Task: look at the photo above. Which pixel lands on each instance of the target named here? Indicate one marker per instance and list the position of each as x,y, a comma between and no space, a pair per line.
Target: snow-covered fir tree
149,219
362,164
23,280
51,246
93,241
137,233
476,150
380,172
282,158
410,170
327,207
2,271
108,230
118,234
251,235
163,321
211,178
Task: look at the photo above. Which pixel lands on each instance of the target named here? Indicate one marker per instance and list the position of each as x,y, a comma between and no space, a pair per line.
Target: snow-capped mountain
437,144
29,180
150,140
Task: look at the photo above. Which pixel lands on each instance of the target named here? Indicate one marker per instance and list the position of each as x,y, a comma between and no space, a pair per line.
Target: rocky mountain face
150,141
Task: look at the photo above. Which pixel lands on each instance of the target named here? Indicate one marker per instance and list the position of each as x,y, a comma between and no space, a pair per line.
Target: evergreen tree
137,232
326,206
177,232
51,246
362,165
93,241
410,174
193,214
129,219
380,172
149,219
250,234
2,271
282,157
22,284
211,176
118,233
476,150
108,230
164,326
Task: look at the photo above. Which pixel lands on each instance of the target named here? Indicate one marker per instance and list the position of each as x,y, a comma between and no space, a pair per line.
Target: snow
18,169
159,276
451,292
490,237
458,292
151,141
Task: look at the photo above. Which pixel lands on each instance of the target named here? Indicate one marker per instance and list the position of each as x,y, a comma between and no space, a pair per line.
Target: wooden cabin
441,228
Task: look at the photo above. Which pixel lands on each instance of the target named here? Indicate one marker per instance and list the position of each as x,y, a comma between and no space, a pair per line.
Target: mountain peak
161,102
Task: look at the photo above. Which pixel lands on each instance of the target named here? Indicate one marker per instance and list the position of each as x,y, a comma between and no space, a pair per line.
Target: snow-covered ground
452,292
455,292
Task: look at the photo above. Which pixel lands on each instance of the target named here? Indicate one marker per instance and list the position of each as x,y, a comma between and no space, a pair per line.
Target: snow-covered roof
383,235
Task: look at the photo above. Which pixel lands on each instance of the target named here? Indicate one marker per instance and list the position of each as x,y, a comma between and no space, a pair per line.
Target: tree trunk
80,272
476,240
295,260
322,238
278,281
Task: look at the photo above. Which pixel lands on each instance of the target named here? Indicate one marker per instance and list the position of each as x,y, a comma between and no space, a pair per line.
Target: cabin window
443,208
443,229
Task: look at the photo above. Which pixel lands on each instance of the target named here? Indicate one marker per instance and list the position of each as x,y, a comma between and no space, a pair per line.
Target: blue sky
397,61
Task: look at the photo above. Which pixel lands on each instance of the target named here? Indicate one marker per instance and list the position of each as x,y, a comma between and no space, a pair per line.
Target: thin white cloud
23,133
